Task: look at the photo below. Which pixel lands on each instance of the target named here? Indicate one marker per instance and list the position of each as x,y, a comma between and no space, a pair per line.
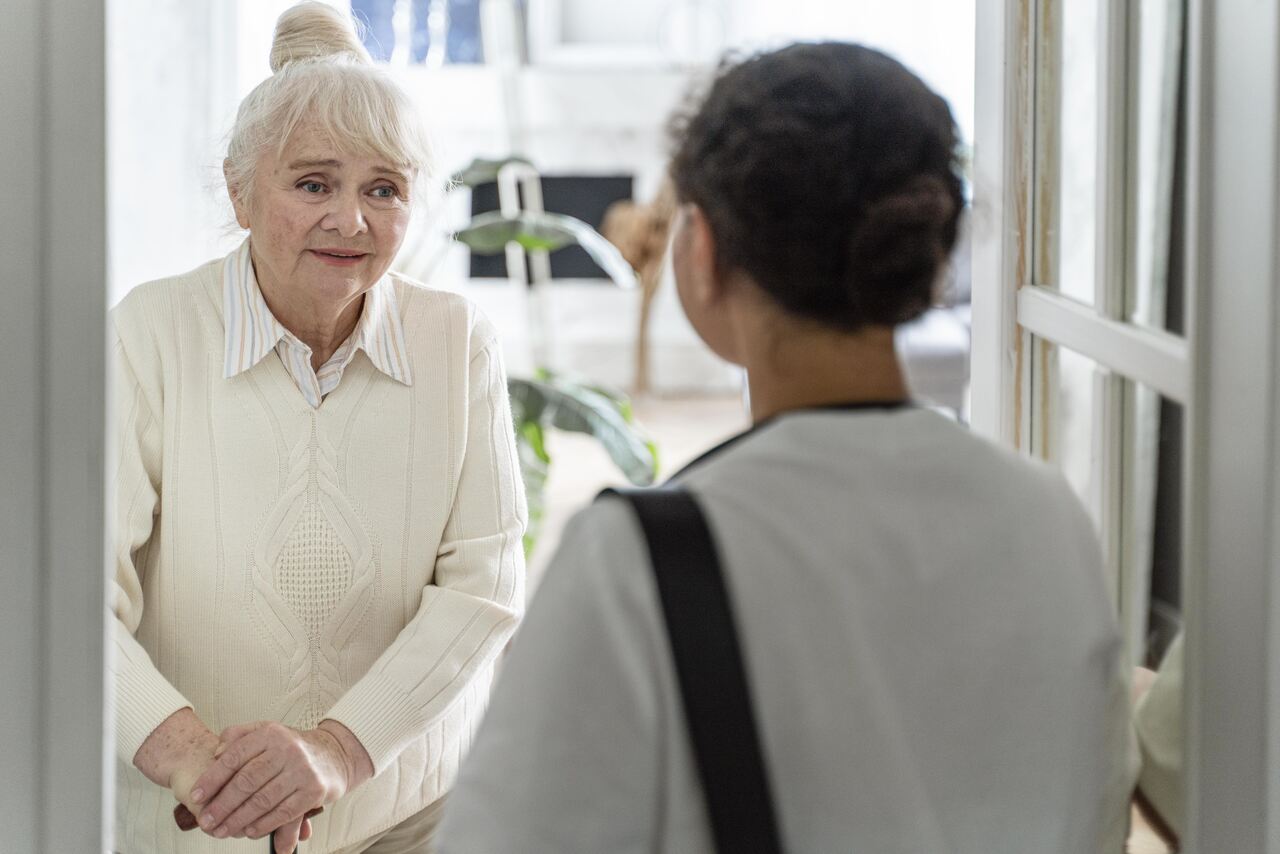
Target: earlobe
242,218
704,292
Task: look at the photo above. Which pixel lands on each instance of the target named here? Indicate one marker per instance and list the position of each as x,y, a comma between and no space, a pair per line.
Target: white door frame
1227,372
1233,532
52,325
1002,155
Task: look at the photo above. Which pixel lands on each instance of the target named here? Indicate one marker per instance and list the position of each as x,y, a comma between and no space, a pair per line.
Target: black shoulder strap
708,664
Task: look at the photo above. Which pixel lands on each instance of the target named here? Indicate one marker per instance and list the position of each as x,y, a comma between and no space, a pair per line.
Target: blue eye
385,192
311,187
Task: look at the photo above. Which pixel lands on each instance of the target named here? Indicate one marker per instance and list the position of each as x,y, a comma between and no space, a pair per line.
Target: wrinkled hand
189,766
286,838
176,753
268,776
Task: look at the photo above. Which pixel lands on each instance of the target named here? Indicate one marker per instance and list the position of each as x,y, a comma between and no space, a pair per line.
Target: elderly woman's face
324,224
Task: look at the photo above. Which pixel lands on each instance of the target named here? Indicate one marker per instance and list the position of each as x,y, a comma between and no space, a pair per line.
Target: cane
186,821
271,840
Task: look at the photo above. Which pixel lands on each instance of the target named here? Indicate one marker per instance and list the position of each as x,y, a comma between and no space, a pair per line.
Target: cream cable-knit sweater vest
359,561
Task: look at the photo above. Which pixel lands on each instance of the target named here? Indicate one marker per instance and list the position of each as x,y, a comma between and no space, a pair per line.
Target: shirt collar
252,331
380,332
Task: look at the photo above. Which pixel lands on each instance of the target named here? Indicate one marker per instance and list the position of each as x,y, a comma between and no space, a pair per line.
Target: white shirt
252,332
932,652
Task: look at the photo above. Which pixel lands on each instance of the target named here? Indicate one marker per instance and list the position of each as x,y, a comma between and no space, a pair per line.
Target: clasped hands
257,778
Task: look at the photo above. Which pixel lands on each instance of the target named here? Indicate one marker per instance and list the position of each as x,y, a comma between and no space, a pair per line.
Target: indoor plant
549,400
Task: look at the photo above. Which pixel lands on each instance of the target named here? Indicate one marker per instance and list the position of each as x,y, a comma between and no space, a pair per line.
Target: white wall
935,38
178,69
170,100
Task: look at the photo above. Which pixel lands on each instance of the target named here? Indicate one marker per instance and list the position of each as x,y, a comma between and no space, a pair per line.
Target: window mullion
1114,99
1107,501
1003,168
1125,477
1037,367
1149,356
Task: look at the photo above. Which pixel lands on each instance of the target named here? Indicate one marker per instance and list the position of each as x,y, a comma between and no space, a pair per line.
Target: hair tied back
311,31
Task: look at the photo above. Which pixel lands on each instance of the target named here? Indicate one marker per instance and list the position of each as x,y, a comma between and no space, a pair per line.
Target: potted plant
547,400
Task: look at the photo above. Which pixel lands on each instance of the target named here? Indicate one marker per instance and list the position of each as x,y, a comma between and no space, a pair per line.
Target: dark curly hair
828,173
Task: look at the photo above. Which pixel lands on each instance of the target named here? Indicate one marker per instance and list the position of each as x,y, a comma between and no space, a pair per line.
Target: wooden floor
1143,840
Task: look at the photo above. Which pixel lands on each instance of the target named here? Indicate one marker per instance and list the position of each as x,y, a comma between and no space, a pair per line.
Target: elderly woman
319,508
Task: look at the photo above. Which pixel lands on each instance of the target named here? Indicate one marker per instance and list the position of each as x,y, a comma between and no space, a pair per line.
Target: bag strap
709,668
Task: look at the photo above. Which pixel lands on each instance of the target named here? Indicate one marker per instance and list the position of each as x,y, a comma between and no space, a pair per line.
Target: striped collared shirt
252,332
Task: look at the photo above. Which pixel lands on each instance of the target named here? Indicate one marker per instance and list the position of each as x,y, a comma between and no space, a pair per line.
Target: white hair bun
313,30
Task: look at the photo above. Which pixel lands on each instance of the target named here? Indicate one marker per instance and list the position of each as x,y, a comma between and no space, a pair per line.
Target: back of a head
323,77
828,173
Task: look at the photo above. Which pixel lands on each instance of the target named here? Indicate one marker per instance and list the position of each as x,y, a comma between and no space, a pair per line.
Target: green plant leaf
489,233
527,400
483,170
535,464
553,401
619,397
575,407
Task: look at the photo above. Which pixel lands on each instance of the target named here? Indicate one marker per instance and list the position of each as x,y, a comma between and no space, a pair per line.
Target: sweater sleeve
143,696
477,595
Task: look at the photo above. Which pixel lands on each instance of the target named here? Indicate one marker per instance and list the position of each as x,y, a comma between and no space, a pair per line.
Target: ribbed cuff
144,699
381,716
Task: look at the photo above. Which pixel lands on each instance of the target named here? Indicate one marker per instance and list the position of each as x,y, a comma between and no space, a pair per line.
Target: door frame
53,248
1226,372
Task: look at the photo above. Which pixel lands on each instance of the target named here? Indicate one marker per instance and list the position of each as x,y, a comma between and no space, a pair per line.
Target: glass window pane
1119,445
1156,173
1151,595
1068,437
404,31
1153,502
1067,147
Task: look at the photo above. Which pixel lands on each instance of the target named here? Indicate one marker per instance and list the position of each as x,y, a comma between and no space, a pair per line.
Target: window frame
1016,324
1225,372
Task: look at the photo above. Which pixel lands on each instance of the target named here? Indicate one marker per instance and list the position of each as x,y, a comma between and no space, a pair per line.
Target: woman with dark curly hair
928,655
